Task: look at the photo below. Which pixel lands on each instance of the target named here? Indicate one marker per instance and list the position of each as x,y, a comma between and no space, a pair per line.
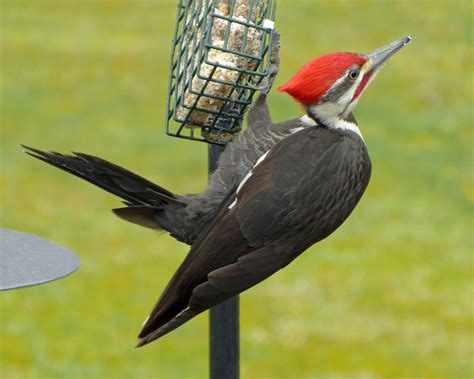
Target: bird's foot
274,64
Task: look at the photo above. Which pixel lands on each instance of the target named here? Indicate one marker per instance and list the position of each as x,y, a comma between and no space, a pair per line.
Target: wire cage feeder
219,58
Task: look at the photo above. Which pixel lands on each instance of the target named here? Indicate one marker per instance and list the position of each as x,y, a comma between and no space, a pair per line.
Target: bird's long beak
377,57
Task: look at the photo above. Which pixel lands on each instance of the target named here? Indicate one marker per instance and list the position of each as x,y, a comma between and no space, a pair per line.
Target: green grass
388,295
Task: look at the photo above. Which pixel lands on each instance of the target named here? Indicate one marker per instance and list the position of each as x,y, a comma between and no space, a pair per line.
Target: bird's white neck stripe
307,121
346,125
321,112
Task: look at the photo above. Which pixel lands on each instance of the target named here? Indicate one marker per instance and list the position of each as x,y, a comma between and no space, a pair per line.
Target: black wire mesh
218,60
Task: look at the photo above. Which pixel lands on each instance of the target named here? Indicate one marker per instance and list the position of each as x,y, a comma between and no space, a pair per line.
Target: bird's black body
281,210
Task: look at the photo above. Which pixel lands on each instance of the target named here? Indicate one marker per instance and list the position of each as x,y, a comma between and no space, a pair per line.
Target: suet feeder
219,58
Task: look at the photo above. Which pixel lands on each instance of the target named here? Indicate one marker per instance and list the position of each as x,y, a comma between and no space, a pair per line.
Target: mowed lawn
389,295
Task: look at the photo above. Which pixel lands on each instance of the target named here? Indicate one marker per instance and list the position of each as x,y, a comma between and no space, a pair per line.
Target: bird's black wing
245,243
301,177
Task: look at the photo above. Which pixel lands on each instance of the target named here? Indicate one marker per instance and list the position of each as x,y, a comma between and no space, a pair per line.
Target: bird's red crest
318,75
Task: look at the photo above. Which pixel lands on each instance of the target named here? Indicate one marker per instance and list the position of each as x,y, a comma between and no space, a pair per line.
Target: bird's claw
274,64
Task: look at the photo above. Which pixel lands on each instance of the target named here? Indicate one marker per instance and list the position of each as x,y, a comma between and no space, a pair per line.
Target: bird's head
330,85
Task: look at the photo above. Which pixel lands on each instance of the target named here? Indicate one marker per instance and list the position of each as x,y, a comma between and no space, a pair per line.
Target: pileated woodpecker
298,192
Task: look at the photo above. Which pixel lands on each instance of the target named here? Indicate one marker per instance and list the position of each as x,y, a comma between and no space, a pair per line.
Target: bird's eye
353,74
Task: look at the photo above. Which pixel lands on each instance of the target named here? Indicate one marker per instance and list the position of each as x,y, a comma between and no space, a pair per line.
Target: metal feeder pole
224,343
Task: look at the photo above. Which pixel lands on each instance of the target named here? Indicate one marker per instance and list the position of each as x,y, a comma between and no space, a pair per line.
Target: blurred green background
390,294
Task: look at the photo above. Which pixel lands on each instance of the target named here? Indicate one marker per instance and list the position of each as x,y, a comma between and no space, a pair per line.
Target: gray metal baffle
27,260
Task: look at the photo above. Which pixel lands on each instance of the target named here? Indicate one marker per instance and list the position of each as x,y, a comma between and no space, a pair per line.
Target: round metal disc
27,260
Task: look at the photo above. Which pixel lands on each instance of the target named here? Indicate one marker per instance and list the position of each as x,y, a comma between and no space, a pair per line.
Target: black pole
224,345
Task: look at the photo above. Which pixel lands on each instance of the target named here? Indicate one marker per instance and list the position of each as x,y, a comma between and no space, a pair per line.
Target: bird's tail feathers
138,214
141,196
